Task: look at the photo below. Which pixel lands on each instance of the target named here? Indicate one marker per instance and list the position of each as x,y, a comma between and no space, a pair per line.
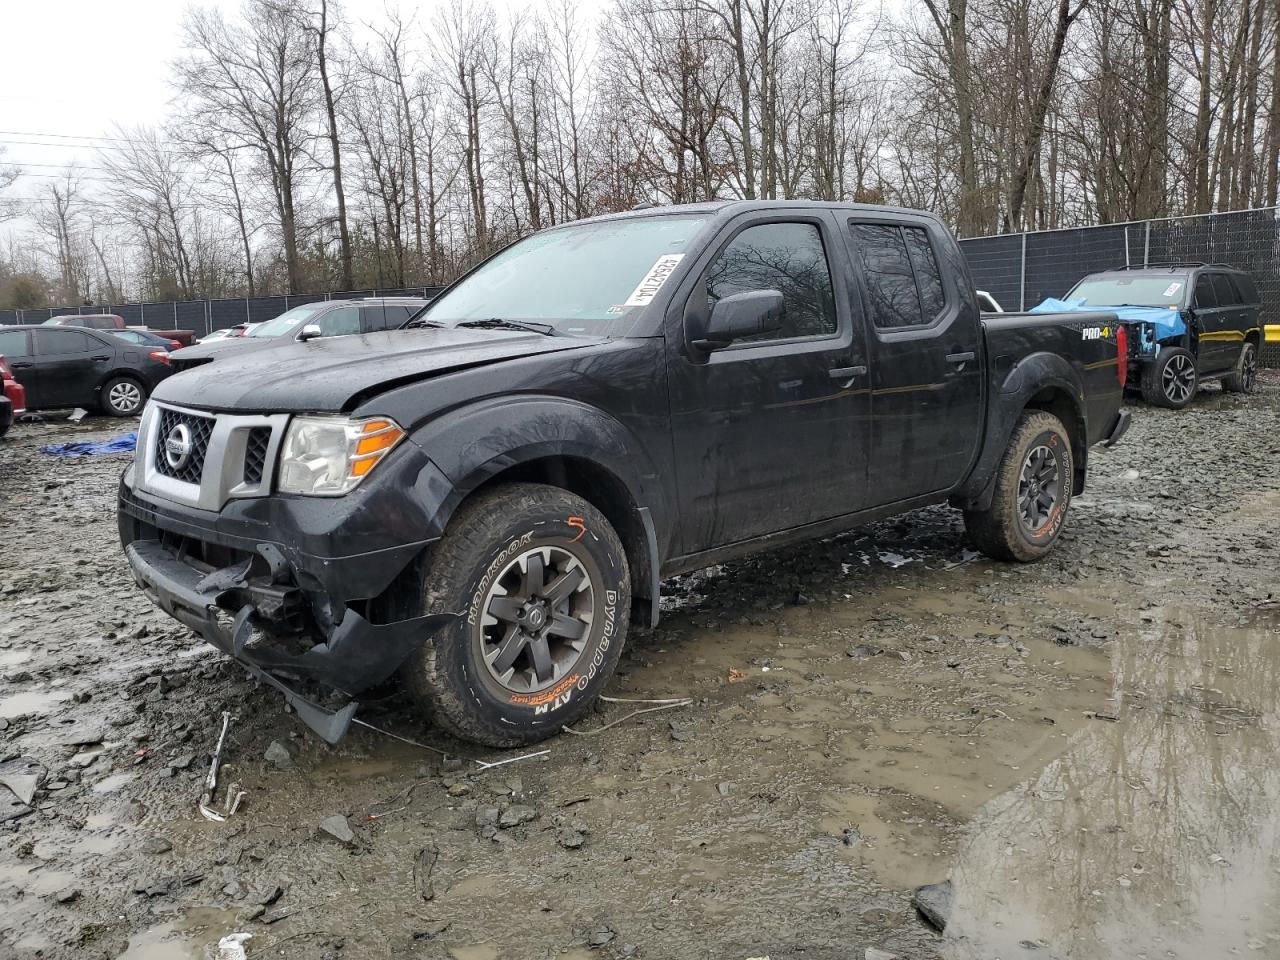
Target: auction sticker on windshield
653,280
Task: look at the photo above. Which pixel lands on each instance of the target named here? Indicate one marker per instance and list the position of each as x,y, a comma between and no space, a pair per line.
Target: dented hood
326,374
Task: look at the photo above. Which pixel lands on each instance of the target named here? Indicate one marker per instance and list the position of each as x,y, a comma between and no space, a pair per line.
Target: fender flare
1033,375
475,443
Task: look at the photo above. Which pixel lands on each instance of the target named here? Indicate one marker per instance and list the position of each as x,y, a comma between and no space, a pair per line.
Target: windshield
287,321
1143,290
586,279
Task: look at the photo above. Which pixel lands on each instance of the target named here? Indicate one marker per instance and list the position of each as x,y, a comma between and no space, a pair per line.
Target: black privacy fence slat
204,316
1020,270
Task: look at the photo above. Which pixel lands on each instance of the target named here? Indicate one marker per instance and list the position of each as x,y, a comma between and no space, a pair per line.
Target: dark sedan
76,367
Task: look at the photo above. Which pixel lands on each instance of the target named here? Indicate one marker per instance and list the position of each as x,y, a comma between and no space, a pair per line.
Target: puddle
1155,835
30,701
13,658
113,782
186,937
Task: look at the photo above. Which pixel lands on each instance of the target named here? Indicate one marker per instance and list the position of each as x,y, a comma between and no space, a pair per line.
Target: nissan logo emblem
177,447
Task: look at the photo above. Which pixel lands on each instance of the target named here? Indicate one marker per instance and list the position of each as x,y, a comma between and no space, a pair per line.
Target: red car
13,399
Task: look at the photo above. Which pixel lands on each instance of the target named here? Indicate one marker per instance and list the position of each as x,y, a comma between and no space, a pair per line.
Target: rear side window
1248,289
384,316
789,258
55,341
1227,294
14,343
1206,296
904,283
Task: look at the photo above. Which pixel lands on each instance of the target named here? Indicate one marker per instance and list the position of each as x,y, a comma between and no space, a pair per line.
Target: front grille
199,429
255,454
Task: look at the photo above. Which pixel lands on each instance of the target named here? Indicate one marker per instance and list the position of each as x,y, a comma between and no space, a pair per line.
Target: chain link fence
205,316
1022,269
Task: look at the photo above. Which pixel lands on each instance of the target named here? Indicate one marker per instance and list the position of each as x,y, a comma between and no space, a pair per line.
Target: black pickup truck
485,501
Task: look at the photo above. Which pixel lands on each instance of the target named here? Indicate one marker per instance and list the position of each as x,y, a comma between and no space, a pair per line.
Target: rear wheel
543,585
1032,493
1244,378
123,397
1170,380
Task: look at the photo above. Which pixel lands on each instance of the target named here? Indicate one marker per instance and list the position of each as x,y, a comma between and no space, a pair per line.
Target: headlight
329,456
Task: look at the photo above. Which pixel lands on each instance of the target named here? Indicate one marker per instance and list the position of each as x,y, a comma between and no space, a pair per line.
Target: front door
926,357
65,359
770,432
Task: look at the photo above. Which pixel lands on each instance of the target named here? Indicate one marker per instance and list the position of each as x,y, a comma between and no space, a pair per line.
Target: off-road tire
1000,531
115,390
1244,378
1154,378
449,676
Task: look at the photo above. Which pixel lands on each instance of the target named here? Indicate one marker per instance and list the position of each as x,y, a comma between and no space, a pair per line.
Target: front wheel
1032,494
1171,379
542,586
1244,377
123,397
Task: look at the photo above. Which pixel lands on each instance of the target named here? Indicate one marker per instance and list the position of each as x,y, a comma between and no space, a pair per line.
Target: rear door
68,361
1214,305
770,433
15,347
1235,319
925,356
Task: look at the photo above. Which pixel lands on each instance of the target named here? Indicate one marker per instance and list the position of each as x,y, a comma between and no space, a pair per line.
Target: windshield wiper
415,322
500,323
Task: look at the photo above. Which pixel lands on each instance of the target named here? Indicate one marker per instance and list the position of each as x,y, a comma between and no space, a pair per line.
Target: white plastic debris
231,947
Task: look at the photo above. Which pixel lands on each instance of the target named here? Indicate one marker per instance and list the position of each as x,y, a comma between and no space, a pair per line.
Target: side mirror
742,315
310,331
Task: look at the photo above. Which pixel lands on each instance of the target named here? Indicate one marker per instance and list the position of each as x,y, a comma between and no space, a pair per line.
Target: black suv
1195,322
322,318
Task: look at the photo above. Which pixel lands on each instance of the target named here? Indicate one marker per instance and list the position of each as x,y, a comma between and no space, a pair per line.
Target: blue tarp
1168,323
126,443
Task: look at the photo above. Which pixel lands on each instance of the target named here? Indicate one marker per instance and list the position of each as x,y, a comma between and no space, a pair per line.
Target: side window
891,282
14,343
56,342
928,276
1206,298
1227,295
340,322
1248,289
789,258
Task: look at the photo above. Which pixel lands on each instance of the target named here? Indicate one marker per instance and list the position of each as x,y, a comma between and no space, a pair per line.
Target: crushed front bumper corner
356,655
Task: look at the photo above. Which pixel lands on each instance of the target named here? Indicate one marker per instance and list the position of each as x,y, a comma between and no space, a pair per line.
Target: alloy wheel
1179,378
536,620
1038,488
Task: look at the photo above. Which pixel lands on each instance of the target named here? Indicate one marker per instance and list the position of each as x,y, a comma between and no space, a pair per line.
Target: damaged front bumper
291,617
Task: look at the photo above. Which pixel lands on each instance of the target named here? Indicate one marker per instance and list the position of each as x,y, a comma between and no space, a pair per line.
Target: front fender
472,444
1033,376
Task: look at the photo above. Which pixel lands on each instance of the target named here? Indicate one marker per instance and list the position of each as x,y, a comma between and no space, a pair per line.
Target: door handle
960,359
102,358
20,366
848,374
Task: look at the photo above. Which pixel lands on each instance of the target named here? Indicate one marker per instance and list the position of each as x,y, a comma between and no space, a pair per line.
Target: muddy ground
1085,747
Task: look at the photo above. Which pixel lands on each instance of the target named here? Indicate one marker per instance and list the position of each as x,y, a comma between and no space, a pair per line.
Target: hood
325,374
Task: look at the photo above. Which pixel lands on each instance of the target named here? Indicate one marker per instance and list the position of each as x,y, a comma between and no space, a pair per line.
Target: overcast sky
72,69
